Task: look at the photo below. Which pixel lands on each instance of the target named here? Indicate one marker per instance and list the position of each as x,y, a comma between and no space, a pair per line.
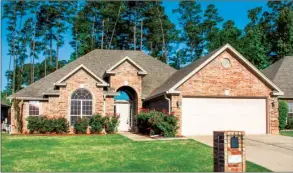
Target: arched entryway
126,105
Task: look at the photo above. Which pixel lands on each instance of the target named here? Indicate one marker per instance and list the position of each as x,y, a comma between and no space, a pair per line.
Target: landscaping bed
101,153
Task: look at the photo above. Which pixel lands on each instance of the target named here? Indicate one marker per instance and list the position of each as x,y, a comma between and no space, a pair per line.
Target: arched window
81,105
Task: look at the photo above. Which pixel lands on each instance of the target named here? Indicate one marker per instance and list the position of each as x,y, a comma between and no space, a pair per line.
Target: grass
110,153
287,133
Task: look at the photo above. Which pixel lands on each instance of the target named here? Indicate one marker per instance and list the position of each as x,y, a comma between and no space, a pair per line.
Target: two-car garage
202,116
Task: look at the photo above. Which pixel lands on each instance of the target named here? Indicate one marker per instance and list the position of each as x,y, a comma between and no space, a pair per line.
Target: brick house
220,91
281,73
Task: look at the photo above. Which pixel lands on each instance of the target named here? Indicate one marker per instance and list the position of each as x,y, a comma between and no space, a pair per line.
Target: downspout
104,105
169,103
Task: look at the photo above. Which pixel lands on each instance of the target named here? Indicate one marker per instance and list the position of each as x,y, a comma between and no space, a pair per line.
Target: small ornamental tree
283,114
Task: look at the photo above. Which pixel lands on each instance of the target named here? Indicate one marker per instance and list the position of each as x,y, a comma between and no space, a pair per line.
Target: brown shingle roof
281,73
98,61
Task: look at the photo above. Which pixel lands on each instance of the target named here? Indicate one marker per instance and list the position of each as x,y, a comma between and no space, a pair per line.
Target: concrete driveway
274,152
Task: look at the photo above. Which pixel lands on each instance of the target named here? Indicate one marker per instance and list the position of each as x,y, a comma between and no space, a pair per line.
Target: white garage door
202,116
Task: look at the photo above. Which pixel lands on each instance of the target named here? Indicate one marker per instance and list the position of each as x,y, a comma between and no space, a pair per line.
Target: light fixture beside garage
227,92
226,63
273,103
179,103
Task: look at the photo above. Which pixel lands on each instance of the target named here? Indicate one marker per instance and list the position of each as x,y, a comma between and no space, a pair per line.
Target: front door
123,109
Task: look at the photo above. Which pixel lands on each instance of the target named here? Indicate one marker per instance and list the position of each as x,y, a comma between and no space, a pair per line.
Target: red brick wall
214,79
59,106
126,75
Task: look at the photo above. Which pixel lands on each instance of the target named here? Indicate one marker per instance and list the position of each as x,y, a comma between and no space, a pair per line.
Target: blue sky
229,10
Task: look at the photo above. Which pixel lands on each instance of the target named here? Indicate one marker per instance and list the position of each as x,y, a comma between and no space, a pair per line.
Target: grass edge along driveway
110,153
287,133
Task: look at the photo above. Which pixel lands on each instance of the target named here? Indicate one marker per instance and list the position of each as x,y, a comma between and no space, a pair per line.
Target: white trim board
81,66
244,60
141,72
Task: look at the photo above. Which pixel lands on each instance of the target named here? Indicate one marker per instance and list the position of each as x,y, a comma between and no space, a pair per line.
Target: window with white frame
34,108
81,105
290,104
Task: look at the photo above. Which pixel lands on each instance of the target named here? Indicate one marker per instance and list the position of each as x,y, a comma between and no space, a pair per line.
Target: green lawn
105,153
287,133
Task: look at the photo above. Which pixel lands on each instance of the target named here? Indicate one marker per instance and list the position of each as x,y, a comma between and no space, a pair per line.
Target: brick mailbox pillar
229,151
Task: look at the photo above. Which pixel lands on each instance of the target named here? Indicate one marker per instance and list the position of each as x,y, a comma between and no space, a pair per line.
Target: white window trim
81,115
39,106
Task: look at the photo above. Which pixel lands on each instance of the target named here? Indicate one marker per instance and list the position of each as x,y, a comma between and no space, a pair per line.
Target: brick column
176,104
109,101
229,151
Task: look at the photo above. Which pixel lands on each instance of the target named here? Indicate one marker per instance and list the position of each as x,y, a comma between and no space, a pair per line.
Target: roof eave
27,98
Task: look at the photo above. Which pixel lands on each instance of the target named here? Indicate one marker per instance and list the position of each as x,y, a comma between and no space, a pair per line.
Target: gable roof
98,61
81,66
142,71
281,73
179,77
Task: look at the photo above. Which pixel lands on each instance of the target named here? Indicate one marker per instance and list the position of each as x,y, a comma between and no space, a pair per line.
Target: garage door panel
202,116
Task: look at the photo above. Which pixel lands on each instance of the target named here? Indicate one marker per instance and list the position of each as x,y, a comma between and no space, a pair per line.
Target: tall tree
228,34
190,21
257,45
210,24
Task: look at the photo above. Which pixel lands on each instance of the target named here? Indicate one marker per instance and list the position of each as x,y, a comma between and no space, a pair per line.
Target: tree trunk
45,66
93,33
134,37
14,53
115,26
51,44
141,33
102,39
33,51
162,32
57,52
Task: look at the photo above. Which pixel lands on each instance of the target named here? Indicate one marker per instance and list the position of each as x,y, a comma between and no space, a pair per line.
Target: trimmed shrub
283,114
96,123
48,126
111,123
43,124
61,125
157,123
80,126
36,124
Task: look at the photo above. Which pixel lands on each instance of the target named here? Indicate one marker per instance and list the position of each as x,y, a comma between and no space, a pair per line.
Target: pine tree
211,20
190,21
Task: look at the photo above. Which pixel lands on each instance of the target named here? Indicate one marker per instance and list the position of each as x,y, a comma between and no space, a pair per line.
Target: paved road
274,152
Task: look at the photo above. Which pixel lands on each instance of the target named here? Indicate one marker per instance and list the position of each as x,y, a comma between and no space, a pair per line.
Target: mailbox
229,152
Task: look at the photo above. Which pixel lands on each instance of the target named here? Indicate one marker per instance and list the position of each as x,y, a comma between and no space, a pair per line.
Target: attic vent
226,62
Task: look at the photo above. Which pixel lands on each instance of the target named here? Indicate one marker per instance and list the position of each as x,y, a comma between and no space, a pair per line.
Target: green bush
289,123
111,123
80,126
96,123
48,126
283,114
61,125
36,124
43,124
157,123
